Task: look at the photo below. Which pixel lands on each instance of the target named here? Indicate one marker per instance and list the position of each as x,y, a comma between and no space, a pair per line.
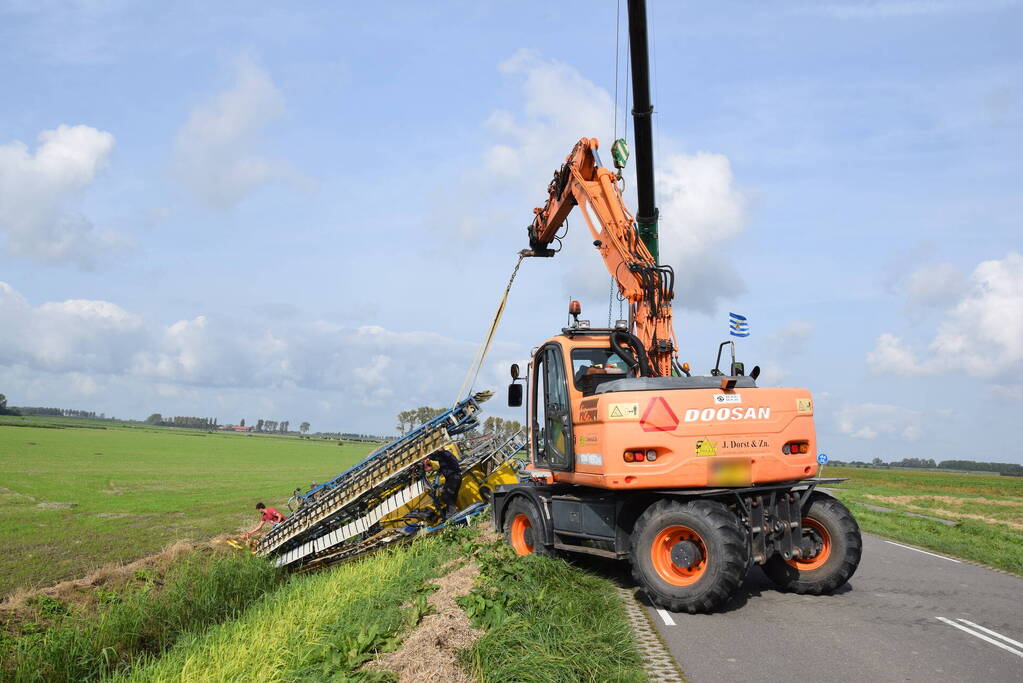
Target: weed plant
547,621
198,591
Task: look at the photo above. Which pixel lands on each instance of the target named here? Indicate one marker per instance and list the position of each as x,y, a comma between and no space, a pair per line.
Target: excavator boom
649,288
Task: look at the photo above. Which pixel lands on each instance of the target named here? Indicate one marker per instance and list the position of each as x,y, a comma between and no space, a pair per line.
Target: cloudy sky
308,211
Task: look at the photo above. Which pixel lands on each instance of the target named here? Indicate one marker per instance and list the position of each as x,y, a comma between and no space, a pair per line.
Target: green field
987,511
90,494
93,493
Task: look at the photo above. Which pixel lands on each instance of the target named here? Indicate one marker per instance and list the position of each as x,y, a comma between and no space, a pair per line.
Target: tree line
500,428
4,410
929,463
271,426
206,423
42,411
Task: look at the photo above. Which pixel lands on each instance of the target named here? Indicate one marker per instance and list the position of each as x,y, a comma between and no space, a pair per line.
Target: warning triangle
658,416
705,448
616,412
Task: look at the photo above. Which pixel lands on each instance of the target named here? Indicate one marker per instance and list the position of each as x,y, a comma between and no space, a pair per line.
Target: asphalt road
885,625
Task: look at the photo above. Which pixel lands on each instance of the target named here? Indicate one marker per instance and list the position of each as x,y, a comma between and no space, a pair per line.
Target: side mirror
755,372
514,395
515,370
738,369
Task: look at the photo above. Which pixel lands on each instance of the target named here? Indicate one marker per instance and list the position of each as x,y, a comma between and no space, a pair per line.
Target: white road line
975,634
996,634
909,547
668,621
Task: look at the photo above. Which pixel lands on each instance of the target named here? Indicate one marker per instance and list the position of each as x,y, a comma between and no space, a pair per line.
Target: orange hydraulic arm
647,286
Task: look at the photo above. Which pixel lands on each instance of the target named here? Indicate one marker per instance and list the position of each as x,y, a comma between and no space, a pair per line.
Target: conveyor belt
342,517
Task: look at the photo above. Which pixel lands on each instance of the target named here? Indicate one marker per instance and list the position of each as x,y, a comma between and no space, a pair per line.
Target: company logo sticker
745,444
725,414
721,399
588,410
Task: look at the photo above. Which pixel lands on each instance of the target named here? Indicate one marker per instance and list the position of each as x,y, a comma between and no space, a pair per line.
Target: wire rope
618,16
481,355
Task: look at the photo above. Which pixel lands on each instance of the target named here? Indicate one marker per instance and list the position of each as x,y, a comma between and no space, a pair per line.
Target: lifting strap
481,355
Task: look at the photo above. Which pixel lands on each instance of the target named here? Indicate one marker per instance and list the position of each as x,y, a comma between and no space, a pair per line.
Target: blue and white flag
738,325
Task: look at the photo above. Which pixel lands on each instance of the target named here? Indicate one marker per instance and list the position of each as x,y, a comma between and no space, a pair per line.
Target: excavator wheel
522,529
832,540
689,556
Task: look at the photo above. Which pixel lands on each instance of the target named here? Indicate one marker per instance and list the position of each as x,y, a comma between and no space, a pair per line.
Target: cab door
551,418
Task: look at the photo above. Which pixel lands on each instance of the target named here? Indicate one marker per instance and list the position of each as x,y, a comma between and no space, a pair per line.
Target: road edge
658,662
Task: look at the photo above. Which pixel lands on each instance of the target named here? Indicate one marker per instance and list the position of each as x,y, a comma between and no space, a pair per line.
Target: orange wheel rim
520,525
818,560
660,554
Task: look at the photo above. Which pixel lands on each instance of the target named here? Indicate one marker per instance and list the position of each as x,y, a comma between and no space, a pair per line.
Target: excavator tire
833,532
709,541
522,524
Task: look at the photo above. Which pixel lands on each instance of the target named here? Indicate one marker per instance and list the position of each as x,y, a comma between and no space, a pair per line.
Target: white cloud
74,335
792,337
772,374
873,420
86,347
701,210
701,206
935,286
559,107
216,152
981,334
891,354
38,193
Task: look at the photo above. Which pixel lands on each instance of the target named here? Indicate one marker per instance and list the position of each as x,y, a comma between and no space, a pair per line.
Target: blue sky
248,210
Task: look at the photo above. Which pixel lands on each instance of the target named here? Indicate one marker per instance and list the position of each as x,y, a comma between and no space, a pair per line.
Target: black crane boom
642,112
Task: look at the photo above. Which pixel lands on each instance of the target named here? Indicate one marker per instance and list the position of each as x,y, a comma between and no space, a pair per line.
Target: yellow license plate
730,473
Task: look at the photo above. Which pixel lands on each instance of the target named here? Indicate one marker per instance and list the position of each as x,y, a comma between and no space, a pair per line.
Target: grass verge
968,540
197,591
321,626
223,617
987,511
547,621
543,620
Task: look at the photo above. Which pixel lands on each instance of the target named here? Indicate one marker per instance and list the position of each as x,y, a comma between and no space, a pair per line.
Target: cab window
592,367
552,425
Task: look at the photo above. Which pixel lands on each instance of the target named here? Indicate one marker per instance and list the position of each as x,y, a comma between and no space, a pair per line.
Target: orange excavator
692,479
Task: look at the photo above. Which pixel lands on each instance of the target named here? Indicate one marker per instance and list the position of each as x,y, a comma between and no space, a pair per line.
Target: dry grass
952,507
429,652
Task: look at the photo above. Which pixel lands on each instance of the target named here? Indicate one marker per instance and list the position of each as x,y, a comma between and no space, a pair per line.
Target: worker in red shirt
267,515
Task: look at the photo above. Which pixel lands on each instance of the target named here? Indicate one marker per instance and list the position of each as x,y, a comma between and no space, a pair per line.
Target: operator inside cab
593,367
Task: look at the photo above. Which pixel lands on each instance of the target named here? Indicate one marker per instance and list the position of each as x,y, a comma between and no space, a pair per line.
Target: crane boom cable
618,14
481,354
